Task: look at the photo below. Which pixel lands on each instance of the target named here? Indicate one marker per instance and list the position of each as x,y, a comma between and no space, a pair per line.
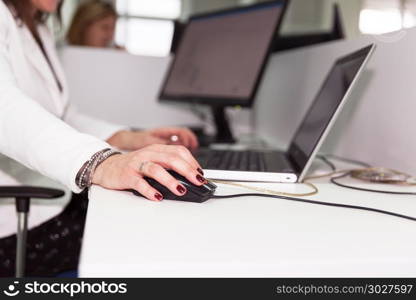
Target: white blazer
38,127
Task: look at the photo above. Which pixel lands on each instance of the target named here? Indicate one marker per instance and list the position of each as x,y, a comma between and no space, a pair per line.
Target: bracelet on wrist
85,174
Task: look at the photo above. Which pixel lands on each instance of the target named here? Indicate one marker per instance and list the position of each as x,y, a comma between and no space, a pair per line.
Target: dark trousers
52,247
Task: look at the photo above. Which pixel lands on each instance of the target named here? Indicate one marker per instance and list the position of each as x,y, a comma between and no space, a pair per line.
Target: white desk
126,236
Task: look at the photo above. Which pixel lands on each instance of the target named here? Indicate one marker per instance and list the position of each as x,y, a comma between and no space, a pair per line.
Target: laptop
291,166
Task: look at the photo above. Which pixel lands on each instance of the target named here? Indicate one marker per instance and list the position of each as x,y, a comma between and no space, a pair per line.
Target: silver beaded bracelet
85,174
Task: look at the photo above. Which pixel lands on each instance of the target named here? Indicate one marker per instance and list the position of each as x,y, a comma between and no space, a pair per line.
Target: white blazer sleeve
36,138
87,124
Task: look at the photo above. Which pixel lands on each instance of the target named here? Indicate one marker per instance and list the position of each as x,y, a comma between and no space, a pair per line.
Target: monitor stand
224,134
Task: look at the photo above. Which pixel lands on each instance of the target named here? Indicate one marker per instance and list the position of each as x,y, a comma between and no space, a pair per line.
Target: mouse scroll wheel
211,186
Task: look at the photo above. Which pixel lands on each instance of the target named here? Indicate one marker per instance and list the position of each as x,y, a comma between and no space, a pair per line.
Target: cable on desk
335,180
314,191
331,165
271,192
362,208
265,193
345,173
347,160
328,162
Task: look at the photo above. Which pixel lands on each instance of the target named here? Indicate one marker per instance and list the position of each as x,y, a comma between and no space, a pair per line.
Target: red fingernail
200,171
181,189
200,179
159,197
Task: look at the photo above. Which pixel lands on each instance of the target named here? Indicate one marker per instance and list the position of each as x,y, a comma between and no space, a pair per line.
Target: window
383,16
146,27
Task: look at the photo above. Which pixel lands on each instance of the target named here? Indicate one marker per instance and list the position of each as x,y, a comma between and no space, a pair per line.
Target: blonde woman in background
93,25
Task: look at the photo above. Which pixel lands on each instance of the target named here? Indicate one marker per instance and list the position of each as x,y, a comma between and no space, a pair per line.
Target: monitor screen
324,107
222,55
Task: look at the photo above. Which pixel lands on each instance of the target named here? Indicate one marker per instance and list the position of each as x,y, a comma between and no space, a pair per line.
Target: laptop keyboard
232,160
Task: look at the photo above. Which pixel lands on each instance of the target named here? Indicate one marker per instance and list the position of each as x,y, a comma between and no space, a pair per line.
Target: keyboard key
232,160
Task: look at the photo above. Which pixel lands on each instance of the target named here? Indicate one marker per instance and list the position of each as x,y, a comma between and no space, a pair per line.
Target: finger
178,164
183,140
176,140
183,168
186,137
158,173
184,153
192,139
146,190
164,133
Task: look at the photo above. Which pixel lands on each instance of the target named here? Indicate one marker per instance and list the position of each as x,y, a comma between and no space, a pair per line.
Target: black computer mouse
195,193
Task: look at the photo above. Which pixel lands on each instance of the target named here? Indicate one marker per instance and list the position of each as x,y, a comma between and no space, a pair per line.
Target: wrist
85,174
99,173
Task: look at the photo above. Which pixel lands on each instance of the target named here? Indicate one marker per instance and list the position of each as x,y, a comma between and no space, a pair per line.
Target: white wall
121,88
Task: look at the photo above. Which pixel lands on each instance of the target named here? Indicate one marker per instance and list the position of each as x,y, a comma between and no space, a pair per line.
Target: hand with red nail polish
181,189
128,171
200,179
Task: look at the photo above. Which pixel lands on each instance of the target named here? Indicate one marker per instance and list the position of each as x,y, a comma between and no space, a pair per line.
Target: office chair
22,195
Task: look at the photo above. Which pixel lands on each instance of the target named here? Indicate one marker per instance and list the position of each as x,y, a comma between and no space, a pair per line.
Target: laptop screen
326,104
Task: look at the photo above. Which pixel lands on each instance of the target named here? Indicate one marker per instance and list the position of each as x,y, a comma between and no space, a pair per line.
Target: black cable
363,208
328,162
334,181
347,160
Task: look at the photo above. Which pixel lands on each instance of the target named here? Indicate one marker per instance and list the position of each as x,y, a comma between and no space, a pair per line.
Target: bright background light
168,9
384,16
380,21
146,36
146,27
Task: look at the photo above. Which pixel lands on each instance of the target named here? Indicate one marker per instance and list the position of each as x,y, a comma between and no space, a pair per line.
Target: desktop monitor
221,58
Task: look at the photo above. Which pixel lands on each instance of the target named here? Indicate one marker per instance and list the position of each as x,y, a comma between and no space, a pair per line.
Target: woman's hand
133,140
127,171
176,136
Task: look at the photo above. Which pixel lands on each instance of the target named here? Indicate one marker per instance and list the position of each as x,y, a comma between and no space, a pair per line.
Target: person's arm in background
122,138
